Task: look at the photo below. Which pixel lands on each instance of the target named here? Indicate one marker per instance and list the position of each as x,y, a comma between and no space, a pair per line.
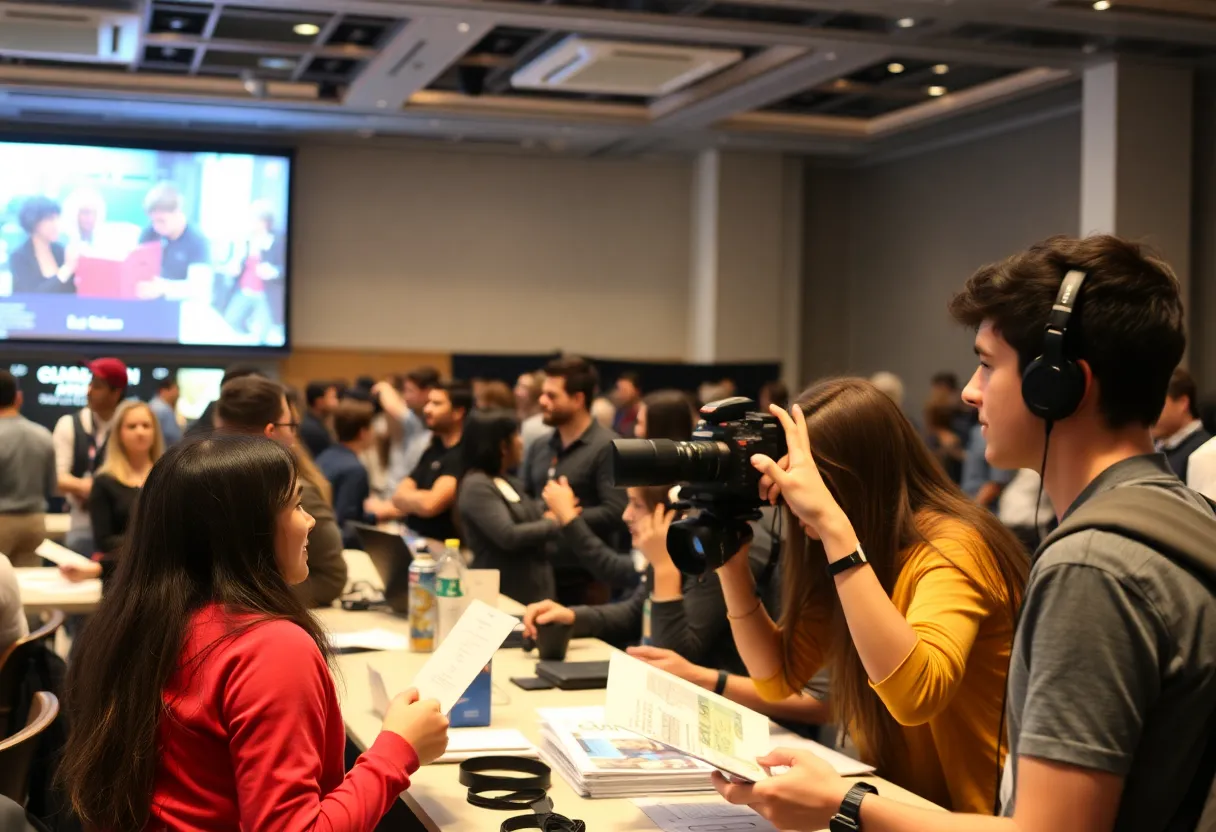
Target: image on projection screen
131,245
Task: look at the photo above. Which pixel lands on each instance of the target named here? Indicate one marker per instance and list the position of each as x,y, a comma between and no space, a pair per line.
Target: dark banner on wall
748,378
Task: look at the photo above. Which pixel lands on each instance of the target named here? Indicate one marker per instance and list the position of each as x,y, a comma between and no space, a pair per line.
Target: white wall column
746,262
1136,157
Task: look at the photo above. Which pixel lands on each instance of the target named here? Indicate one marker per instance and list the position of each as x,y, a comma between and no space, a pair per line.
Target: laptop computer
102,277
392,557
574,675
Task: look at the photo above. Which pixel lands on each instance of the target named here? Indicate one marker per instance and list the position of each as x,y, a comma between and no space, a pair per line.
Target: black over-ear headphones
1053,384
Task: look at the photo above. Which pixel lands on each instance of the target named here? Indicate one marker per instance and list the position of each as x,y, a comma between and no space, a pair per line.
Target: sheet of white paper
702,816
688,718
61,555
379,691
375,639
845,765
463,654
482,585
49,582
465,743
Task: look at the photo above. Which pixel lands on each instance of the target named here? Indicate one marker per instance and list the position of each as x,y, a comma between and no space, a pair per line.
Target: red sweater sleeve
279,705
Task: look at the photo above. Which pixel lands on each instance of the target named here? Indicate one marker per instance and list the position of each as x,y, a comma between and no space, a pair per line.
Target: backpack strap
1166,523
1184,534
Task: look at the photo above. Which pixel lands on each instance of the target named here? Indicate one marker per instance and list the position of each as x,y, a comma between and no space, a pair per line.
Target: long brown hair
202,533
896,496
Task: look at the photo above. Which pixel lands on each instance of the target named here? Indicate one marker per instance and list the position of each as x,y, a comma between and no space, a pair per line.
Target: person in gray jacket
503,527
683,613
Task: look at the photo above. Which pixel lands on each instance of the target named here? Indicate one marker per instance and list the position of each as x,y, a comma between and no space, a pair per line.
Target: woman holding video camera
903,587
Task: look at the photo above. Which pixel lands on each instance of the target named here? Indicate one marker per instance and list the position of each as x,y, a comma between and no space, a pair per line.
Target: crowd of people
926,582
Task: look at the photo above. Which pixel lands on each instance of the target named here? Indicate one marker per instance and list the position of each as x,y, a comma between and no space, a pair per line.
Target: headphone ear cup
1052,392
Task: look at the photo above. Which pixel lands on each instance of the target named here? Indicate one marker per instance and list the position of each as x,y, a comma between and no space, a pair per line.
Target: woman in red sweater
200,696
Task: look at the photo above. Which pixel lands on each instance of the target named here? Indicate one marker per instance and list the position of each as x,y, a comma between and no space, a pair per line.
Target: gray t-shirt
27,466
1114,662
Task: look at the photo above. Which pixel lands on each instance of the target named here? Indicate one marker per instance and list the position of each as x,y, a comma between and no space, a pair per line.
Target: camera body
716,477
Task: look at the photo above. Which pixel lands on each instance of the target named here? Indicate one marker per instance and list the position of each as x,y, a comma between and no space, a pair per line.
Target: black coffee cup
552,641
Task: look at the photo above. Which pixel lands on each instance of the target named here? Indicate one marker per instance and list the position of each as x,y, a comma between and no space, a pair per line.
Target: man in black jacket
1179,432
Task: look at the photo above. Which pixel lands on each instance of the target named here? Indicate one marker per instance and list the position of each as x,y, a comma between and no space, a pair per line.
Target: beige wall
877,283
420,250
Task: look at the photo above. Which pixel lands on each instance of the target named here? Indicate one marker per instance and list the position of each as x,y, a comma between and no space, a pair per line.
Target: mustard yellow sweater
948,691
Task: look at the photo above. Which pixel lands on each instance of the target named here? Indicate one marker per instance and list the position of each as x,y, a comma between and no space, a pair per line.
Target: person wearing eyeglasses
253,404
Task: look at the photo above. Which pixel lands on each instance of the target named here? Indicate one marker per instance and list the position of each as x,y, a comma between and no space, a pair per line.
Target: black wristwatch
847,563
720,686
848,816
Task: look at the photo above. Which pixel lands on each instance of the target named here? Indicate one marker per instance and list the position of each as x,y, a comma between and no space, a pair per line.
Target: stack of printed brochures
659,734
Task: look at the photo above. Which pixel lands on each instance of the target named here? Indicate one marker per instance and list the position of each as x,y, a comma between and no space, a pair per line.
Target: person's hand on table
545,612
676,665
80,572
420,723
559,497
805,797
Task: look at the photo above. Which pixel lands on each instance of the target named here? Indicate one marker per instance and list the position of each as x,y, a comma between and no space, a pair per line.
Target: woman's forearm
880,632
757,638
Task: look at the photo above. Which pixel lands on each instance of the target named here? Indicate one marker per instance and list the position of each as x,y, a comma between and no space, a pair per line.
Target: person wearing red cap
80,445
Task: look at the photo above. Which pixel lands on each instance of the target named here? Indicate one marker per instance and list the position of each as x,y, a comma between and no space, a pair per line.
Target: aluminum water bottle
423,611
449,589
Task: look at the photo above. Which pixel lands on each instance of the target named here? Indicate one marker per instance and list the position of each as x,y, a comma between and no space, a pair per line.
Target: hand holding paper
462,655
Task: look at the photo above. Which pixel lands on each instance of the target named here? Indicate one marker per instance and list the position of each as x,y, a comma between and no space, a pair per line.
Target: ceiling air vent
584,65
68,34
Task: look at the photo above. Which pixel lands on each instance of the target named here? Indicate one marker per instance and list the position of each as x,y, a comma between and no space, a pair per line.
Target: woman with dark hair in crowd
201,694
905,588
257,405
502,526
665,414
41,264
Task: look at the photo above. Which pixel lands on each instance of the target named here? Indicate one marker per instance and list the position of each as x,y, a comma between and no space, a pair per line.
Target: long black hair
203,531
669,415
485,432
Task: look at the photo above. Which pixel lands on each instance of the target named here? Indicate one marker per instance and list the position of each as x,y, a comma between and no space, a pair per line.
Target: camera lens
643,462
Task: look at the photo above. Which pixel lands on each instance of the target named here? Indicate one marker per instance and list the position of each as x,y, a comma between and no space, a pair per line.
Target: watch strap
848,562
720,686
848,816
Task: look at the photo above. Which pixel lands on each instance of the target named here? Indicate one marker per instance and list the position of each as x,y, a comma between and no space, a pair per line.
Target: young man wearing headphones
1112,684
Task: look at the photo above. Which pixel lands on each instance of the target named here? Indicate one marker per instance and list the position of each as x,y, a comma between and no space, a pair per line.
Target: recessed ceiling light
937,92
277,63
941,69
306,30
895,69
463,28
905,23
1101,5
177,24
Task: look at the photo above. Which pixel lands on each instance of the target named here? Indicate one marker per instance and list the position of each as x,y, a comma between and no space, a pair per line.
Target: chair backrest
13,663
17,751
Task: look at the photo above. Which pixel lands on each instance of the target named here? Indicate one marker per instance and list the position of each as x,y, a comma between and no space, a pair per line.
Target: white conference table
435,795
57,525
43,588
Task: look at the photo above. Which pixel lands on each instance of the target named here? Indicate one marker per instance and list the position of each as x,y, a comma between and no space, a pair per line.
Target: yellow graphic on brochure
718,727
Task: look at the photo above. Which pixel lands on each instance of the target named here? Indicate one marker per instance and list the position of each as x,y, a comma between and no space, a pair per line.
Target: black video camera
716,475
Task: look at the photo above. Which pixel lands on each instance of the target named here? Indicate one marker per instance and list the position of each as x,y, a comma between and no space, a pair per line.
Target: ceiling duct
68,34
607,67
